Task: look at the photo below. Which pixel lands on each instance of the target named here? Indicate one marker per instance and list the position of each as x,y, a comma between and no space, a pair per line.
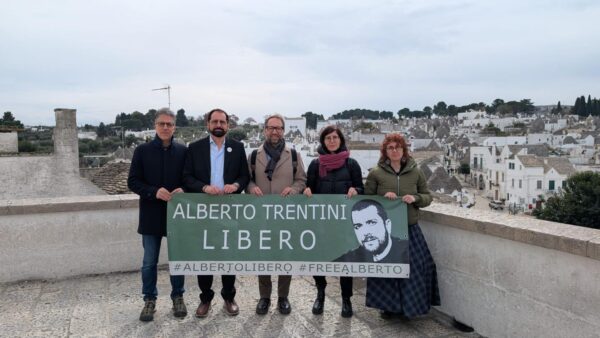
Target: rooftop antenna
168,89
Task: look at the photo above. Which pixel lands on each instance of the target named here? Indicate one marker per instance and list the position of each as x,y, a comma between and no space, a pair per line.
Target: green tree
386,115
180,119
452,110
578,203
150,117
8,120
495,104
27,147
312,119
102,131
368,126
237,134
130,140
440,108
427,110
404,112
491,129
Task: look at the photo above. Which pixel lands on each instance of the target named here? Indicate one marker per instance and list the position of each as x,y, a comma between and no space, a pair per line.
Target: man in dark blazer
155,175
373,230
215,165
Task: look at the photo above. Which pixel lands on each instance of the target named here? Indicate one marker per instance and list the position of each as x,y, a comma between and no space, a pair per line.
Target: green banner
327,235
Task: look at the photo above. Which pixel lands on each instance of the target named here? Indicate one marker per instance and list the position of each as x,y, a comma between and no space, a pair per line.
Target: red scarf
329,162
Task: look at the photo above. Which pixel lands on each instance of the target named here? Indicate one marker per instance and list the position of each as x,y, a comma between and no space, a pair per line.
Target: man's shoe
202,310
147,314
179,309
386,315
346,307
263,306
283,305
231,308
319,302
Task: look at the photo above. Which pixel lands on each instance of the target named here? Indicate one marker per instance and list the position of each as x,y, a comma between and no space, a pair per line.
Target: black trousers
345,285
207,294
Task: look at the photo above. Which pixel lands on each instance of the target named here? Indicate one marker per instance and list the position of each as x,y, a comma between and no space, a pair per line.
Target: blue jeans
151,246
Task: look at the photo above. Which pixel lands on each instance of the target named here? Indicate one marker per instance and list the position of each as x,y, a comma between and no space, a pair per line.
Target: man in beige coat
273,173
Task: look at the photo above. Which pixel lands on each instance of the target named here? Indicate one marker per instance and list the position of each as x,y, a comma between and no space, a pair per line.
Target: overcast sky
253,58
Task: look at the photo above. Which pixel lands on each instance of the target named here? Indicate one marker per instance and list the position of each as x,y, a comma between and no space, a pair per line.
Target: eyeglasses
272,129
165,124
332,138
390,148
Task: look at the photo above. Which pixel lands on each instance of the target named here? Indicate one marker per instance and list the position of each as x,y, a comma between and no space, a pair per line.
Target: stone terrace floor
109,306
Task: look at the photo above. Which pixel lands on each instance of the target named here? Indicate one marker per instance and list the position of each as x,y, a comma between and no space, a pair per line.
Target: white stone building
504,140
529,178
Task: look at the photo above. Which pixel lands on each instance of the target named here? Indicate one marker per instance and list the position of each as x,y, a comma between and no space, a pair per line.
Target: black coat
336,181
196,172
154,167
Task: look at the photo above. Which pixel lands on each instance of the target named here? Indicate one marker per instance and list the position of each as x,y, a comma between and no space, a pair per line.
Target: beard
382,245
218,132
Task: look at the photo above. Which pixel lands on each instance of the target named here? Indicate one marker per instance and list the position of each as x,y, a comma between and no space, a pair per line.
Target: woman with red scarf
334,172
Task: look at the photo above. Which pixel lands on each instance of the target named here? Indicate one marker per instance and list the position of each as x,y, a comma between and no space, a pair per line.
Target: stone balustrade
504,275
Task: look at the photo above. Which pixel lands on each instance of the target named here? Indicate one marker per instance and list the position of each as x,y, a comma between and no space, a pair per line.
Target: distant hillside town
511,154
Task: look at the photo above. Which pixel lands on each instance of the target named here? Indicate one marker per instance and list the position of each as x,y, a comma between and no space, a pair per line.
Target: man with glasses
216,165
155,175
275,173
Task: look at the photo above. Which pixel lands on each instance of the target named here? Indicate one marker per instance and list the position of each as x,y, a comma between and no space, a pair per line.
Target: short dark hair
219,110
363,204
328,130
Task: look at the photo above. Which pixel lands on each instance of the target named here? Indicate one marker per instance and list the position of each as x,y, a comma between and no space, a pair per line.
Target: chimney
66,146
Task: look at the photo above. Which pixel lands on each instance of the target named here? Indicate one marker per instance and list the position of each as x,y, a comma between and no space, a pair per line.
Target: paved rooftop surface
109,306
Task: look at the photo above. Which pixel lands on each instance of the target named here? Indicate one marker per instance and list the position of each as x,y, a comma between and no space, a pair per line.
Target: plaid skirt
408,296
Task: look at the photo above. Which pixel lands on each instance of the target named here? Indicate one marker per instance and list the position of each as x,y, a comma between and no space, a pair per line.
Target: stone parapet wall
506,276
512,276
63,237
9,142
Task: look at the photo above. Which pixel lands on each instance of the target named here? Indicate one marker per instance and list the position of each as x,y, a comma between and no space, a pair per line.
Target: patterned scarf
329,162
274,153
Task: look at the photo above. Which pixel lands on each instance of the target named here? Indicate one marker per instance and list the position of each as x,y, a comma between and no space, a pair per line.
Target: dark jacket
398,254
336,181
196,172
409,181
154,167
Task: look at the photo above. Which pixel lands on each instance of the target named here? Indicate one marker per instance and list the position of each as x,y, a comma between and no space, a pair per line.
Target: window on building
551,185
502,177
475,162
520,184
511,166
564,184
539,184
513,183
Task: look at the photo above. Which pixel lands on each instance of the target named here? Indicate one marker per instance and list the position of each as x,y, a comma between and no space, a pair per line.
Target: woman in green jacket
397,177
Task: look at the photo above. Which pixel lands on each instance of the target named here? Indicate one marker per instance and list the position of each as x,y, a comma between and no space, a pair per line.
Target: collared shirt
217,163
